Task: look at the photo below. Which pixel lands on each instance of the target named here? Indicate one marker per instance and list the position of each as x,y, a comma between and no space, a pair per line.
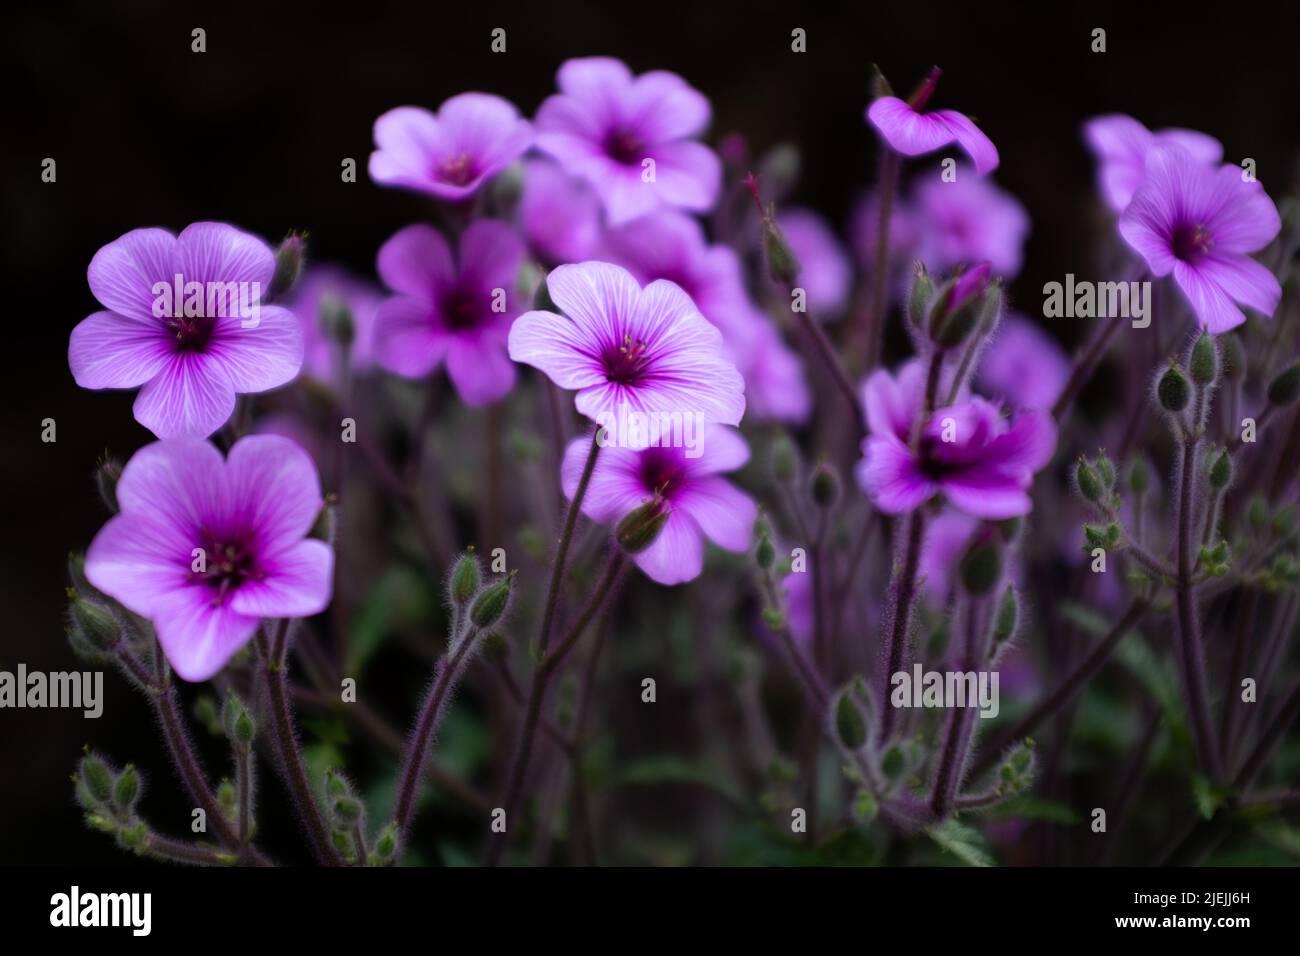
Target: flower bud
893,762
1008,616
385,848
1221,470
1088,480
336,319
957,308
865,807
1016,771
466,578
107,474
1173,389
93,622
639,529
1139,476
494,646
824,486
126,790
345,811
981,565
1234,358
782,264
288,265
765,553
236,721
779,170
1285,387
492,602
785,461
850,726
1204,362
920,295
1105,471
98,779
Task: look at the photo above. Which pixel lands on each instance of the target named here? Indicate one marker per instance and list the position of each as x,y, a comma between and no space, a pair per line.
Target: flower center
624,146
192,332
461,309
626,364
1191,242
661,472
457,171
229,564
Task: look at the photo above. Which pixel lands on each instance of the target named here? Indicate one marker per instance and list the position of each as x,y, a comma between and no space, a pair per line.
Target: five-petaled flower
194,350
1200,223
969,452
624,348
630,137
472,137
459,312
911,131
206,549
1121,144
699,502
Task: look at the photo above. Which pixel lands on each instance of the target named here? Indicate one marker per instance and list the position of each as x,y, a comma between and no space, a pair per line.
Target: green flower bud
1204,361
1088,480
920,296
98,778
981,565
785,460
345,811
865,807
824,486
107,474
288,265
782,264
638,530
1234,358
494,646
894,762
1221,470
236,721
1257,512
1285,387
850,726
1008,616
765,553
773,618
492,602
1173,390
93,622
1105,471
336,319
385,848
126,790
1139,476
466,578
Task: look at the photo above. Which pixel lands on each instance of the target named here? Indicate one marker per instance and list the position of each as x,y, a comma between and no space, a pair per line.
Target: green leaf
1209,796
962,841
653,771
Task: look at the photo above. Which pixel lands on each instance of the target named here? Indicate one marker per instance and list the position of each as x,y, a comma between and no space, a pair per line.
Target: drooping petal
970,138
479,369
907,131
723,512
298,583
1214,308
107,350
889,476
417,261
1244,280
677,555
123,273
261,352
190,398
985,492
407,339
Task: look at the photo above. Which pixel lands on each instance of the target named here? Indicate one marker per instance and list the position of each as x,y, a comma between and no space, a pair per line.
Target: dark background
253,131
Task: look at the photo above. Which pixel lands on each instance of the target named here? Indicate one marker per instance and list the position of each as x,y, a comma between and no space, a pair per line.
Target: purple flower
185,321
946,538
798,589
671,245
1023,365
912,132
206,548
321,289
1121,145
627,348
968,220
1201,223
630,137
700,503
459,312
559,214
825,272
982,462
472,137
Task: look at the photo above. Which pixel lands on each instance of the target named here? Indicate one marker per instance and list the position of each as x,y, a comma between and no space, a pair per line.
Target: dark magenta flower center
627,363
625,147
229,564
192,332
462,309
1191,242
457,171
661,471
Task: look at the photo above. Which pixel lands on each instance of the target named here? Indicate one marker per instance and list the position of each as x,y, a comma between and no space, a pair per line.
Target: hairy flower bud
850,725
639,529
93,622
288,265
466,578
492,602
236,721
126,789
1234,358
1173,389
1088,480
920,295
98,779
1221,470
782,264
824,486
765,553
1285,387
1008,616
1204,363
1139,476
981,565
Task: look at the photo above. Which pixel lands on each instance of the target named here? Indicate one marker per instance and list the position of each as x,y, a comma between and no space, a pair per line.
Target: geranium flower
559,214
825,272
700,503
206,548
604,125
1023,364
979,460
912,132
1121,144
623,347
1200,223
449,155
323,288
191,355
969,220
457,312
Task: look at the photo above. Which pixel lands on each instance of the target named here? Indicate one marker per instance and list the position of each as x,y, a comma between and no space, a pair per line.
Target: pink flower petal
972,139
687,174
724,513
139,557
298,583
198,637
107,350
190,398
615,488
216,252
123,273
1213,306
407,341
889,476
662,107
271,485
556,346
1244,280
256,358
905,130
677,555
479,369
417,261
